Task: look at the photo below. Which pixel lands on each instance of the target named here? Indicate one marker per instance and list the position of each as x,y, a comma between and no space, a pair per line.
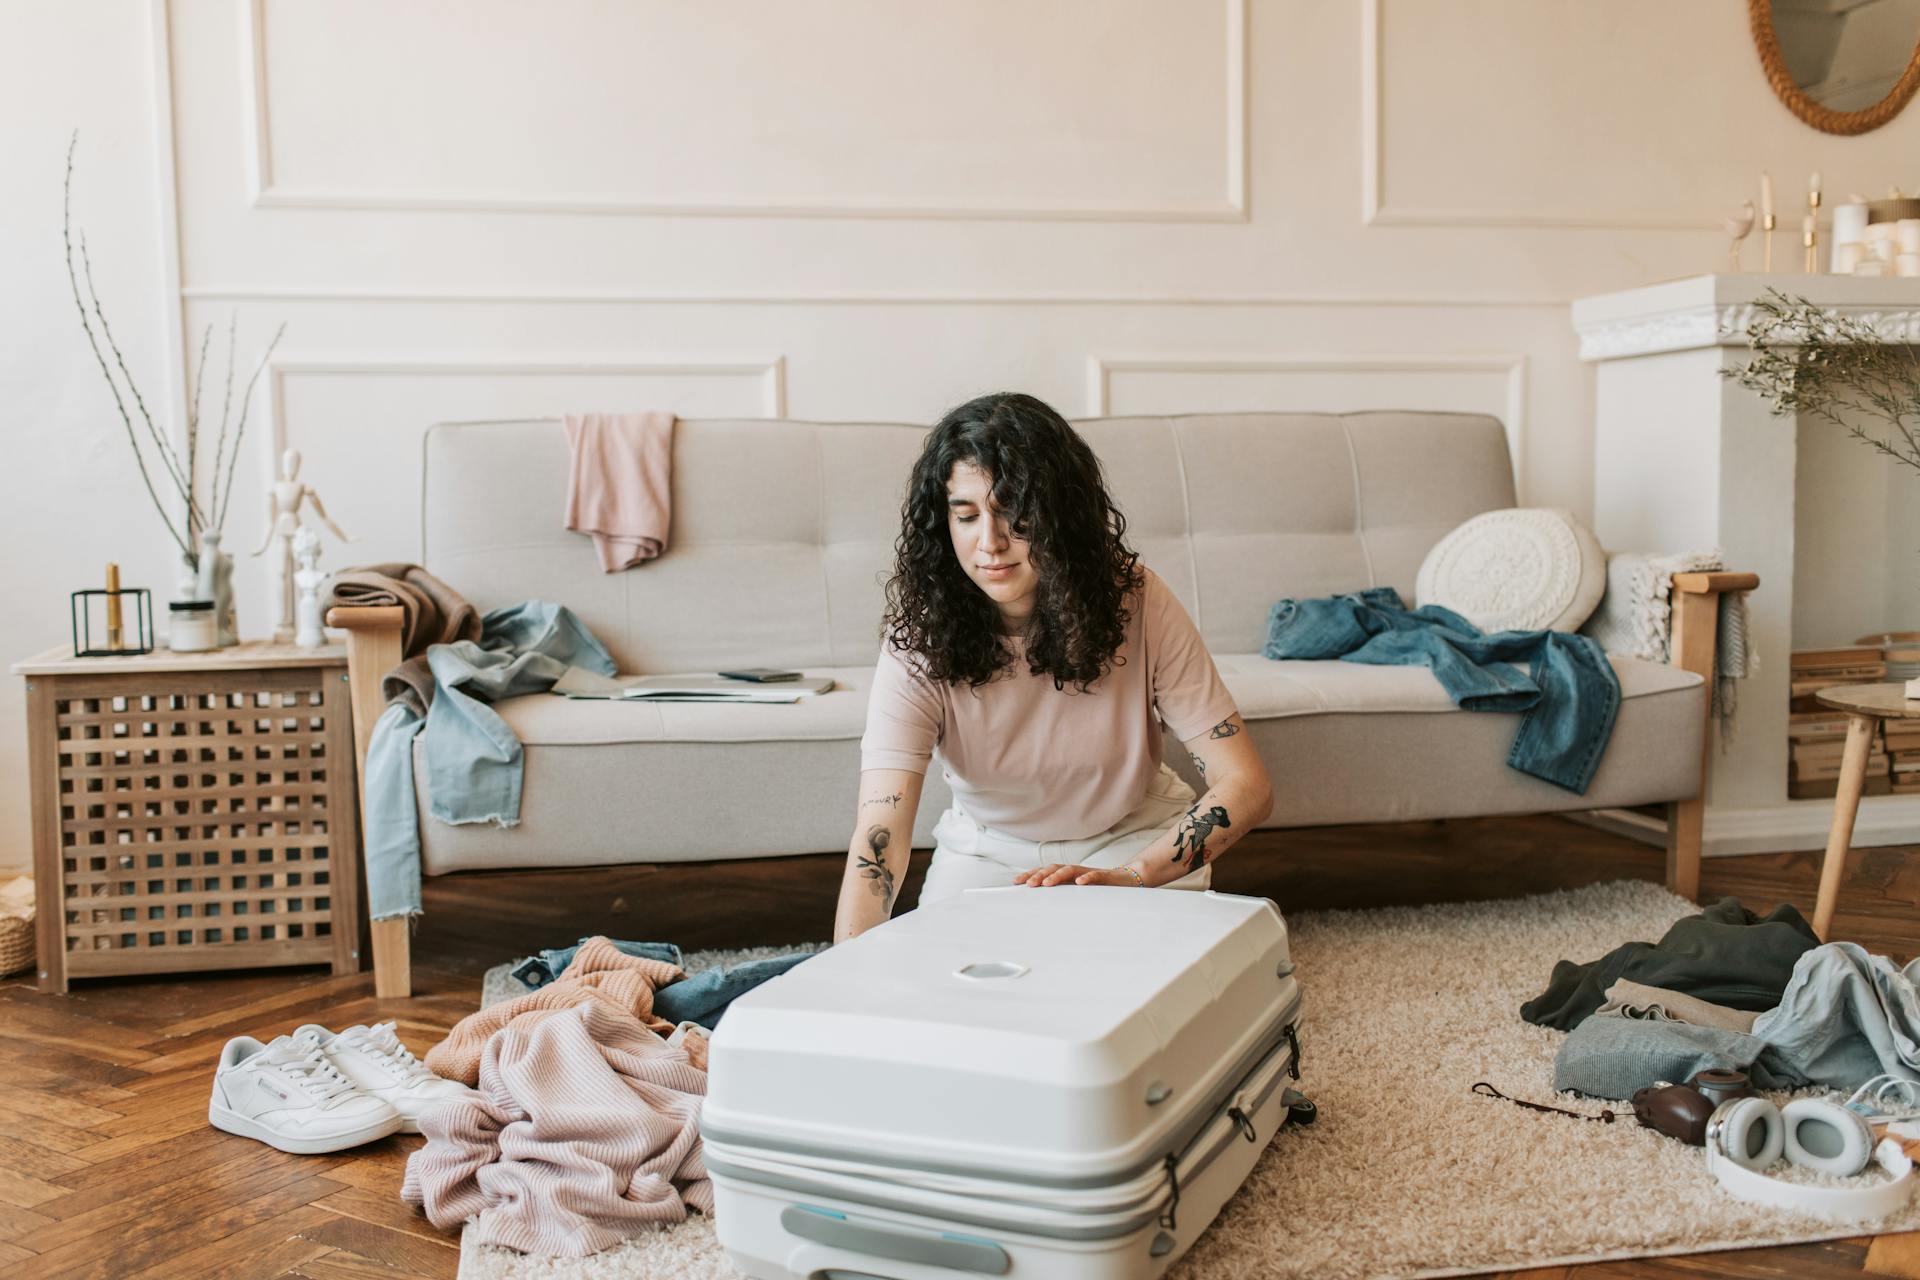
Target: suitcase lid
1065,1036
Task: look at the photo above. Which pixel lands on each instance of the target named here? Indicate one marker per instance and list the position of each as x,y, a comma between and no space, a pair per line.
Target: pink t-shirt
1052,764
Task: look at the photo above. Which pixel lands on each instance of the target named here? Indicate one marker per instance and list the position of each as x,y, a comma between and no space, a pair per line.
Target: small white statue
308,578
1737,225
284,499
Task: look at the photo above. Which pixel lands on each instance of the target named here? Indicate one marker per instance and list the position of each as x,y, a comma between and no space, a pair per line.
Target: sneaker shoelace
301,1062
382,1042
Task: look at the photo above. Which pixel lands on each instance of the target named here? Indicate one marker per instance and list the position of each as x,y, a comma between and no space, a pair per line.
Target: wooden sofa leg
1696,616
1684,819
392,959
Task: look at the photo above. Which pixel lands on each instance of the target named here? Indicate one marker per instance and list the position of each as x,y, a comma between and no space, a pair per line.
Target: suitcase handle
961,1253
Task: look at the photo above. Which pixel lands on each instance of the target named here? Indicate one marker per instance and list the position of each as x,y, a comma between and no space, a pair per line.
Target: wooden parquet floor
108,1167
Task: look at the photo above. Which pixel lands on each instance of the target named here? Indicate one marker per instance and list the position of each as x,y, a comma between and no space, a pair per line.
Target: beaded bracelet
1129,868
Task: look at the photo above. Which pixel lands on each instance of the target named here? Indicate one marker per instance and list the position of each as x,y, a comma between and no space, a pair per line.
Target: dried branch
185,478
1826,365
133,439
240,431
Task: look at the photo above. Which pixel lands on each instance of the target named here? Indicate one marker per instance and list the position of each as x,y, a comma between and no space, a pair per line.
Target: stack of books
1817,735
1902,739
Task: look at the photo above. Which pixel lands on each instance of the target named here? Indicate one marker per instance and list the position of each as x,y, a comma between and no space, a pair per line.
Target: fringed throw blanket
1635,618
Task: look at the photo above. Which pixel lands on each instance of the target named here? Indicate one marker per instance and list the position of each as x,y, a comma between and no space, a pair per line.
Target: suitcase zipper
1240,1112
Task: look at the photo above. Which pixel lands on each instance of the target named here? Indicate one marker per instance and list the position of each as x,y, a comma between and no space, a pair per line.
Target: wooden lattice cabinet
193,811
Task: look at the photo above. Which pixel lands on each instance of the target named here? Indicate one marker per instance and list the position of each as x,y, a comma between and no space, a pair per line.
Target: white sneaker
287,1095
379,1065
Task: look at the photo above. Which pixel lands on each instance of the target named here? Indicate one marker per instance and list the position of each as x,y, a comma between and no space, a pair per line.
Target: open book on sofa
578,683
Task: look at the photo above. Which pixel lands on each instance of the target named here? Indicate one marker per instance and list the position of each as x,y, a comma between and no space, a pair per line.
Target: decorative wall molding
771,373
1513,366
265,193
535,297
1719,326
1374,210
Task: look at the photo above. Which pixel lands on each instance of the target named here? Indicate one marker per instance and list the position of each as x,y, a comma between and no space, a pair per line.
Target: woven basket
16,945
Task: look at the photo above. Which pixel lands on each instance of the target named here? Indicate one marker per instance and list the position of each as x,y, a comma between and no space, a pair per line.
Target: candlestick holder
83,609
1766,243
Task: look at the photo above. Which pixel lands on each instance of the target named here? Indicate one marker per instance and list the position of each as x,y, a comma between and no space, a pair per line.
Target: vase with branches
195,512
1837,369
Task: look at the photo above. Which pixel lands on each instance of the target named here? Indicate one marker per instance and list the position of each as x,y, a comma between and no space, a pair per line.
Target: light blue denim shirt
474,762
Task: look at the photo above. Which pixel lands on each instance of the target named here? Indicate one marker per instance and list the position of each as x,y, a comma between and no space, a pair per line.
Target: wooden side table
193,811
1866,706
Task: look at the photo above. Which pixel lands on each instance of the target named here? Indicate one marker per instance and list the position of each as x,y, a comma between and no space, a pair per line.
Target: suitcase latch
1293,1043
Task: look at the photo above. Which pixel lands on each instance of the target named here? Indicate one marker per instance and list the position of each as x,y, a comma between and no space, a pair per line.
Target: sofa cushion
1344,742
1521,569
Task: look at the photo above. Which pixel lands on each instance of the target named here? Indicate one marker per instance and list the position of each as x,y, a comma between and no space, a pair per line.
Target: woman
1029,649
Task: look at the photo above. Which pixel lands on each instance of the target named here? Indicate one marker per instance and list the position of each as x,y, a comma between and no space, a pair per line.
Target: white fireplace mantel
1714,311
1686,460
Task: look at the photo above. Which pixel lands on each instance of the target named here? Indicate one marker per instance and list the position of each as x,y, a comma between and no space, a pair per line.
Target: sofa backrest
783,531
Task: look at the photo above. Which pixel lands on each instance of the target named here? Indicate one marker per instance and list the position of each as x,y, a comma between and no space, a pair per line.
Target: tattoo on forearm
1225,729
875,868
1198,763
1190,837
892,801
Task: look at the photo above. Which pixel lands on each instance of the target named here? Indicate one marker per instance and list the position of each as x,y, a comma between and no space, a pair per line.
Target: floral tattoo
875,868
1190,839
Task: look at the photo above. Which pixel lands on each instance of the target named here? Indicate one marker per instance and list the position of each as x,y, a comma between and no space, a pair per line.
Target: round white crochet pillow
1522,569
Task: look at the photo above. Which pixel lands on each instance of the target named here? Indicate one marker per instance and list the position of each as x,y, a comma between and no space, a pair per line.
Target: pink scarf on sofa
619,486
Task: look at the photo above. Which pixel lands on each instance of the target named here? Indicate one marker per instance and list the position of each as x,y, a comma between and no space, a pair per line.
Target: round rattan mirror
1843,66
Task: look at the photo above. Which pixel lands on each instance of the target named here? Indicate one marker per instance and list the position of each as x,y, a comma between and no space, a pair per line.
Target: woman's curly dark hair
1047,484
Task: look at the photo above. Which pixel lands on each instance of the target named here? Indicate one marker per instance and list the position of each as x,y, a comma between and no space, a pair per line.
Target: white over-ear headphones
1746,1135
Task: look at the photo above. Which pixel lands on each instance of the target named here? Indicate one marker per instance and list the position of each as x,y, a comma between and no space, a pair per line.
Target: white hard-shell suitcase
1064,1083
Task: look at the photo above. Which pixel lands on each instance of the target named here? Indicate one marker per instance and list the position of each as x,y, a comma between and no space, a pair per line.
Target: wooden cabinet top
247,655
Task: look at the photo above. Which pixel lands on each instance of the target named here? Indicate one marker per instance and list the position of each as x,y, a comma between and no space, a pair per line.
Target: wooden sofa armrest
373,649
1703,583
1696,622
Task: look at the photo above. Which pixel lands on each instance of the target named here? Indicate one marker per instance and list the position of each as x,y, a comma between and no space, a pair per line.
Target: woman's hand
1069,873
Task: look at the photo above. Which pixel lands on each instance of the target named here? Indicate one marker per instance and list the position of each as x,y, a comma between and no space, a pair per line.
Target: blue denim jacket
473,759
1568,696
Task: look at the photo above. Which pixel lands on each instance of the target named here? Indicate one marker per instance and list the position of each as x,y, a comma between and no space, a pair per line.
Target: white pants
967,855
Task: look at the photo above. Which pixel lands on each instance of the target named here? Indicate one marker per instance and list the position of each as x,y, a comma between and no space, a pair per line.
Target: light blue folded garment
474,762
1845,1017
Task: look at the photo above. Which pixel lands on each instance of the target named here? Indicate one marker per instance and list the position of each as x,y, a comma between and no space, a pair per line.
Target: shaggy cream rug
1407,1173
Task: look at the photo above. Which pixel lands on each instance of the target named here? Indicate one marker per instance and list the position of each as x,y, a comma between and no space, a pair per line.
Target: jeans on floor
700,998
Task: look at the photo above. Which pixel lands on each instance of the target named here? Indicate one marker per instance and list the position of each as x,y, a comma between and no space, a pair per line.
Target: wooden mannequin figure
285,497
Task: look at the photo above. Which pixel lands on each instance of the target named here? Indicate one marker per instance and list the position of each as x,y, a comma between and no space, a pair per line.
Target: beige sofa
783,534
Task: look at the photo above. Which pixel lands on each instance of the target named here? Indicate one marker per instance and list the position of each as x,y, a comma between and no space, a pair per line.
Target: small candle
1846,257
1907,264
1813,190
1849,223
113,607
1907,233
1870,267
1766,195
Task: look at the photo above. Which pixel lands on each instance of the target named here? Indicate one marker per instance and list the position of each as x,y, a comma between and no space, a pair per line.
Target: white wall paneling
1001,110
1558,134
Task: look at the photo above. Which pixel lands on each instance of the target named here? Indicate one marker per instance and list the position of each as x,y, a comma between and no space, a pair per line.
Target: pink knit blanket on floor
584,1133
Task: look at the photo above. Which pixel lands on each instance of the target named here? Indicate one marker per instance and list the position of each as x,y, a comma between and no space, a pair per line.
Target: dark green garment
1725,954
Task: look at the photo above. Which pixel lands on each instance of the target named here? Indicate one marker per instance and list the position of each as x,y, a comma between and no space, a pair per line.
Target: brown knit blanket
433,613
